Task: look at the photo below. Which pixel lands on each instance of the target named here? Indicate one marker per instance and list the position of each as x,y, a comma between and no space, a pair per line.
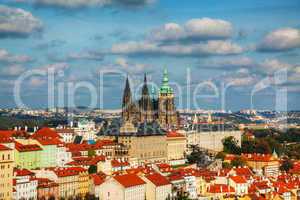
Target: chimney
26,128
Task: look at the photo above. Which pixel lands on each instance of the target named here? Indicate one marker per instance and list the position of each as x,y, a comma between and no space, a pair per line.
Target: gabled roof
157,179
27,147
238,179
45,132
4,148
23,172
129,180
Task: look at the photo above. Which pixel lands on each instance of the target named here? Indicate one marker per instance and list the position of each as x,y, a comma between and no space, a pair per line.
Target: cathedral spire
127,101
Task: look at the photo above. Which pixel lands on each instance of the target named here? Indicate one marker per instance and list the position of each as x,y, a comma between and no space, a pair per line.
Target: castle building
148,109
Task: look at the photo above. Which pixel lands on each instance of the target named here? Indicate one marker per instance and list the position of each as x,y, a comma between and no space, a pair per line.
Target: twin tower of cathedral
149,108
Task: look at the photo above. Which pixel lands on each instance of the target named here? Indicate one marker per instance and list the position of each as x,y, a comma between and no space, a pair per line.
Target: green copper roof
165,88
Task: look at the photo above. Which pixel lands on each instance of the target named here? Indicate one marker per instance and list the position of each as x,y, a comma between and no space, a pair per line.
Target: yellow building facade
6,172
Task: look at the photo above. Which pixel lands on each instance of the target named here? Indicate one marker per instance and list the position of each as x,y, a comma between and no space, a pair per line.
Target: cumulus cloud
16,22
74,4
6,57
269,66
280,40
212,47
194,29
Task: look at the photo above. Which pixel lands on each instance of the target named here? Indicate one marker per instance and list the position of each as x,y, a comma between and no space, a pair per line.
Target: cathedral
149,108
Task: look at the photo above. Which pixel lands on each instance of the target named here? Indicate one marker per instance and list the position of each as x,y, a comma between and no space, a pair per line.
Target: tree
262,146
238,161
91,153
92,169
286,165
221,155
230,145
248,146
226,165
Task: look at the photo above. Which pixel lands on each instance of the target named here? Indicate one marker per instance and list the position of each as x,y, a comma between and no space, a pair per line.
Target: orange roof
243,171
238,179
4,148
220,188
4,139
70,171
258,157
116,163
45,132
27,147
98,179
174,134
23,172
129,180
47,136
13,133
157,179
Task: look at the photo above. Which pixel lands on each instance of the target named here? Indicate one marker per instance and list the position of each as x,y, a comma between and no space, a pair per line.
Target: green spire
165,88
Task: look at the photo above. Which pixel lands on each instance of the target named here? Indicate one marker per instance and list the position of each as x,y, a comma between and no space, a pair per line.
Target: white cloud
281,40
194,29
12,70
16,22
7,57
269,66
213,47
231,63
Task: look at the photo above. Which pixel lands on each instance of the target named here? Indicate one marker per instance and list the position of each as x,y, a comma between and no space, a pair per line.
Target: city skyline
242,45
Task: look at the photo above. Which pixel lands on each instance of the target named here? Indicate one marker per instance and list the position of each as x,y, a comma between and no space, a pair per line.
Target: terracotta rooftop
23,172
238,179
157,179
27,147
171,134
129,180
220,188
4,148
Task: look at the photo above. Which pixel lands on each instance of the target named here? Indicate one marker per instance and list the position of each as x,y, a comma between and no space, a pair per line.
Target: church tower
146,107
167,114
127,102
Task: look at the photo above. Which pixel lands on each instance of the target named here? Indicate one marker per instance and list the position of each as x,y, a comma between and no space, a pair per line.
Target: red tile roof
243,171
4,139
116,163
4,148
258,157
98,179
69,171
220,188
172,134
46,183
86,161
14,133
238,179
157,179
23,172
45,132
129,180
27,147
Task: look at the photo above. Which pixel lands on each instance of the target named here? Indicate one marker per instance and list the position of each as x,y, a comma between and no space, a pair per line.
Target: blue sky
238,43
